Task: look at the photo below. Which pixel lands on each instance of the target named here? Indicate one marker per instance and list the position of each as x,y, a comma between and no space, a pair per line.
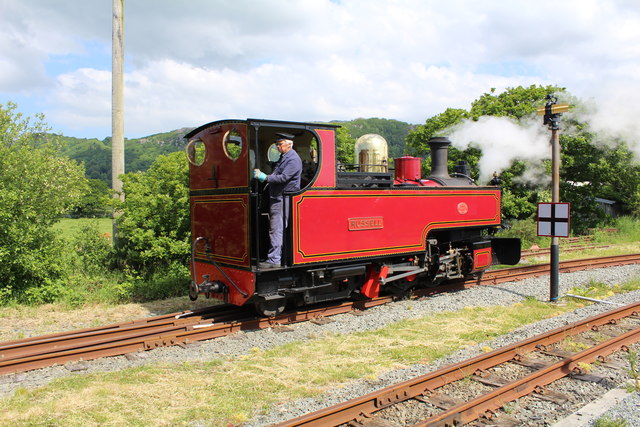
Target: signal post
552,112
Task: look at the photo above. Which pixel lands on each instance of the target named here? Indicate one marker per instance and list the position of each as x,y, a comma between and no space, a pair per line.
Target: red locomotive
349,233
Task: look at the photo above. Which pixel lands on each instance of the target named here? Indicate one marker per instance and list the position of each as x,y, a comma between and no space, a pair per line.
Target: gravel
374,318
628,410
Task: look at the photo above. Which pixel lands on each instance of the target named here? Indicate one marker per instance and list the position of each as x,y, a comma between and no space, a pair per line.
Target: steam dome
372,153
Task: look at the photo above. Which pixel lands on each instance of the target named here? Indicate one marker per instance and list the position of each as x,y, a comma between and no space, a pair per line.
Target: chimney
439,154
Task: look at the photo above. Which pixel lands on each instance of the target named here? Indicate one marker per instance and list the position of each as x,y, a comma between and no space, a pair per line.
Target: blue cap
280,136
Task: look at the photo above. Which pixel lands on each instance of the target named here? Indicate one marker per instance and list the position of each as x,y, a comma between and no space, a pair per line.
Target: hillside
141,152
394,131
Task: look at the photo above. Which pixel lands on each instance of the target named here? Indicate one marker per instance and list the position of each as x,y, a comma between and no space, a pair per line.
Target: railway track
188,327
519,273
531,253
542,355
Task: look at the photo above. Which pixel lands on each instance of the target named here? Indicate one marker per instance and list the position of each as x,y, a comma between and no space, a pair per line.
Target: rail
424,386
187,327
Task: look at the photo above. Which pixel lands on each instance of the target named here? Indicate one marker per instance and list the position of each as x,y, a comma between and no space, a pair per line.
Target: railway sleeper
163,342
544,393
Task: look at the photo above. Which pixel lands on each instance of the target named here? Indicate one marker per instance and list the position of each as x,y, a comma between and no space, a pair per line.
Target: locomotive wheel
271,307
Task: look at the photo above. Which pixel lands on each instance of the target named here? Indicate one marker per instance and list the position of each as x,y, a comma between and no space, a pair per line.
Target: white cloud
81,100
199,60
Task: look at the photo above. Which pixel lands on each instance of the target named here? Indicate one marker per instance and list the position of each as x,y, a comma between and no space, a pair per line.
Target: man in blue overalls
285,177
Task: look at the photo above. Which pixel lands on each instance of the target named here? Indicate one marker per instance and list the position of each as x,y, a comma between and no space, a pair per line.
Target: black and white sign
553,219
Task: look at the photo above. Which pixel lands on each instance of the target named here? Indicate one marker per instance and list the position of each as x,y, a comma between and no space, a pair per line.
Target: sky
190,62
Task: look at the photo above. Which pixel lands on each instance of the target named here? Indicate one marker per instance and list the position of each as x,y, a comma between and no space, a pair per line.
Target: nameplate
367,223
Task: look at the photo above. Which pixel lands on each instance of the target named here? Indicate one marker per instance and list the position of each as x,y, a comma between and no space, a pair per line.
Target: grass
231,391
68,226
610,422
628,231
599,290
633,371
21,321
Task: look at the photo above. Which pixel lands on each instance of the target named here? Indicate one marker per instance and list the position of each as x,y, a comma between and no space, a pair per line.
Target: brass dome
372,153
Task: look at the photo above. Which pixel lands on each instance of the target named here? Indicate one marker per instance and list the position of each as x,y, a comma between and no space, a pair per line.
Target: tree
519,102
154,227
591,171
345,145
37,186
418,138
95,202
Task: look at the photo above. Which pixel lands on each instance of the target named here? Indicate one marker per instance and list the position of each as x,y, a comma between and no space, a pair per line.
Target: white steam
503,140
613,119
610,119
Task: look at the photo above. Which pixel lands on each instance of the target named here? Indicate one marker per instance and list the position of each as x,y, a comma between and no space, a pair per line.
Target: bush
527,231
170,281
154,226
44,263
627,231
37,185
94,250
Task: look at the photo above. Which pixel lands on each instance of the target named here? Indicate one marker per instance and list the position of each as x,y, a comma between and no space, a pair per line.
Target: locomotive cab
230,210
306,145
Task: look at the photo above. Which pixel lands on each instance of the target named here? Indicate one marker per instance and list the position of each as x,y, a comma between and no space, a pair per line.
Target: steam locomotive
352,232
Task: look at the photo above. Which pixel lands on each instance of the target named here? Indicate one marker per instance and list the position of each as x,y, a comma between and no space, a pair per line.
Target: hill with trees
394,131
140,153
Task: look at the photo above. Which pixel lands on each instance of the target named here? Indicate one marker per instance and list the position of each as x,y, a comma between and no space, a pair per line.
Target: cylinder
407,168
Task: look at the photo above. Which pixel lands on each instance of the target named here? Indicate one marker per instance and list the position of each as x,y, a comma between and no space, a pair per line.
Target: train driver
285,177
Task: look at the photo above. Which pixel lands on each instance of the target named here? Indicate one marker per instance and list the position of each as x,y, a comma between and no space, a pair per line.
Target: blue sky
193,61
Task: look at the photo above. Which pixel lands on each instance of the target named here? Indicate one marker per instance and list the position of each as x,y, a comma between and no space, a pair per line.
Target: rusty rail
489,402
213,322
359,408
546,251
113,340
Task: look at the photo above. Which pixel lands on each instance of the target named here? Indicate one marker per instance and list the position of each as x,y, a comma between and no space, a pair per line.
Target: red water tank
407,168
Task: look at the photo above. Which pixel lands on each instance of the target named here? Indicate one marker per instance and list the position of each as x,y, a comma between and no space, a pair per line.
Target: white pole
117,103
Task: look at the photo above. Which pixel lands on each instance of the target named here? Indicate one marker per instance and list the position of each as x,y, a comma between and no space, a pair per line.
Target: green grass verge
69,226
234,390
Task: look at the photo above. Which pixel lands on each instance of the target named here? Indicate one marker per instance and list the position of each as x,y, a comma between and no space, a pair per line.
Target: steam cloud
503,140
613,118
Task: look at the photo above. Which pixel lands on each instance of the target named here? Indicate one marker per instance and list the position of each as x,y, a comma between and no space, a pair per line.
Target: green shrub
94,250
45,265
37,186
46,292
168,282
526,230
154,226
